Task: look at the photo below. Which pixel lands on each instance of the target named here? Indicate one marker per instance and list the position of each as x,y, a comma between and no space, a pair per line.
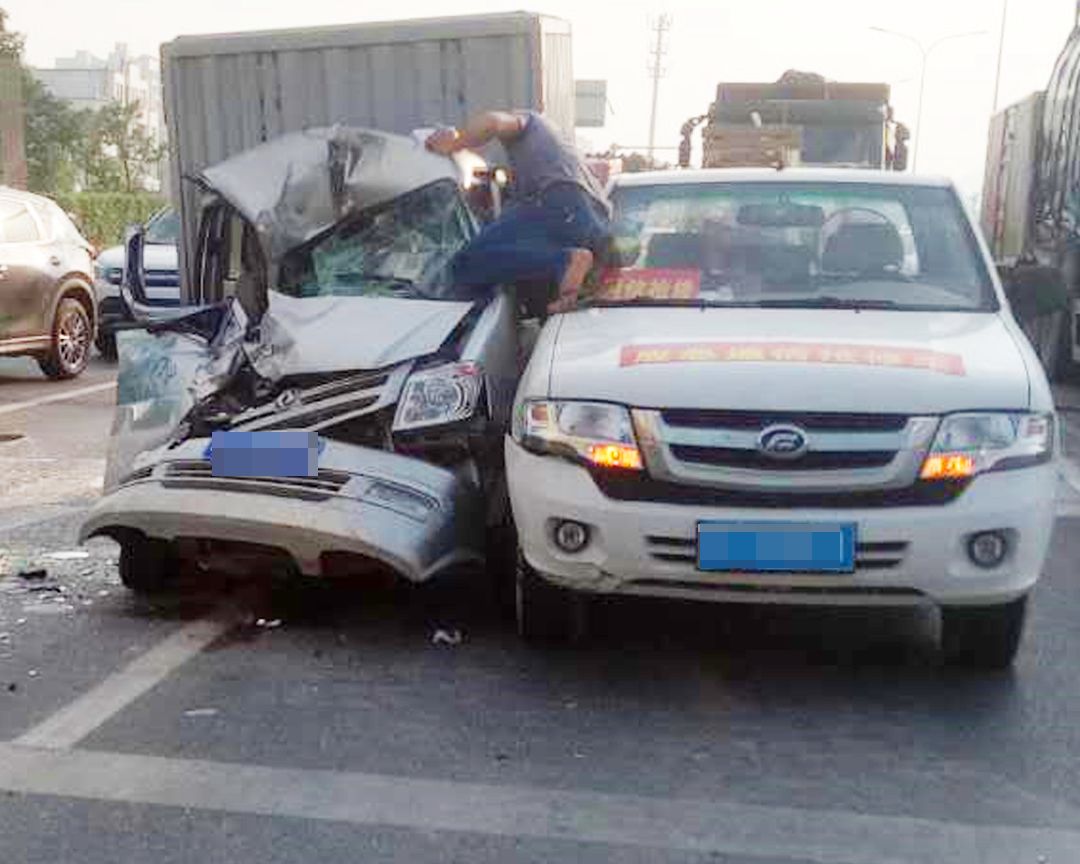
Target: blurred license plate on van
777,547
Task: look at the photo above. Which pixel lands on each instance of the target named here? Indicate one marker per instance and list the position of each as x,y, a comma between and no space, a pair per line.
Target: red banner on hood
653,283
793,352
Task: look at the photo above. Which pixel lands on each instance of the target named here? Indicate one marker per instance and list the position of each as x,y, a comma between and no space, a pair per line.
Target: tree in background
120,154
56,140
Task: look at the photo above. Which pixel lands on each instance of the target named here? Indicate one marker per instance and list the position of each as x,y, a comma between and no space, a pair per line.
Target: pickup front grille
623,486
841,456
812,461
757,420
868,556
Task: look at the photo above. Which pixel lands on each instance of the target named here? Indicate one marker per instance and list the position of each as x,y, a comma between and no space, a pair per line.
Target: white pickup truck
799,387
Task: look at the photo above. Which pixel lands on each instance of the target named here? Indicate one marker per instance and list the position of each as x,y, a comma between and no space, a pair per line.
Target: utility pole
1001,50
656,69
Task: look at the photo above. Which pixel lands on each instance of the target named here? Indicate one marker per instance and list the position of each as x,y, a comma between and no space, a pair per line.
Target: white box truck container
227,93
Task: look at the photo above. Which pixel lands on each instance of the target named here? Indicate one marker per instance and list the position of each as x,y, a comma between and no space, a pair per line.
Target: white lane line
78,719
1070,473
822,836
57,397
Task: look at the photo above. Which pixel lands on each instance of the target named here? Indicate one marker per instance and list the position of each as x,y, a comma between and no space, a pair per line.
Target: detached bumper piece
414,518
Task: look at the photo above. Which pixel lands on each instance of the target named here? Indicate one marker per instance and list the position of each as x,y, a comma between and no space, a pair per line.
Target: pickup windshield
802,245
398,249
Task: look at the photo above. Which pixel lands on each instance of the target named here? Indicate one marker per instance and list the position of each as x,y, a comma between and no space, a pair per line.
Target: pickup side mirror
1034,291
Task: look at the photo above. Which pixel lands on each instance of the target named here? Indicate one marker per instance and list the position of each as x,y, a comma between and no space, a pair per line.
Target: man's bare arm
480,130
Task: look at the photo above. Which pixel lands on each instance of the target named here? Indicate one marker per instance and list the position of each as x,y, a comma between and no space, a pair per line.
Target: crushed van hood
301,184
336,334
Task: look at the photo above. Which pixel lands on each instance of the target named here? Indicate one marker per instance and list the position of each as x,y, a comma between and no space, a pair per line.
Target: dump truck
225,94
801,119
1031,215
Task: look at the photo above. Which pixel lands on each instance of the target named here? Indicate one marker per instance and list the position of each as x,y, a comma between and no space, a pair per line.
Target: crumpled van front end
341,326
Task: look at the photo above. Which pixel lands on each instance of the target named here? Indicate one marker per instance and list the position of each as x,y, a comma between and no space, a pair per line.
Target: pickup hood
790,359
335,334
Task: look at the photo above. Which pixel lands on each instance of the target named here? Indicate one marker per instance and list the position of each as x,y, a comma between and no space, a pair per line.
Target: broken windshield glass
400,249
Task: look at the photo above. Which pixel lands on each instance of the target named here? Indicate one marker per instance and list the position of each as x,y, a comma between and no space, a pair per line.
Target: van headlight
970,444
597,433
438,396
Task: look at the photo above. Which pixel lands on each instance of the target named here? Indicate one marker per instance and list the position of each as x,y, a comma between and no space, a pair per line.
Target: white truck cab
798,387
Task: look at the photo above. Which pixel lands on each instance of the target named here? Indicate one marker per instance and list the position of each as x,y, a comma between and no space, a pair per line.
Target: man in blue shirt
558,220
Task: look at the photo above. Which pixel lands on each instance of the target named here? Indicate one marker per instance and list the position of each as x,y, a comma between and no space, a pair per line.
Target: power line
656,69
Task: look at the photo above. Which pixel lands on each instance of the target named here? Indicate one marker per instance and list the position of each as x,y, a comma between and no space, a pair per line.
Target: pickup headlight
594,432
970,444
439,395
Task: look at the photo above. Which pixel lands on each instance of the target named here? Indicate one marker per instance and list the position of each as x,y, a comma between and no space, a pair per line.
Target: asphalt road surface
269,724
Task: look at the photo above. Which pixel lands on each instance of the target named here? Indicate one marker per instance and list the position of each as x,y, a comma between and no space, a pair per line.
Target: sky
722,40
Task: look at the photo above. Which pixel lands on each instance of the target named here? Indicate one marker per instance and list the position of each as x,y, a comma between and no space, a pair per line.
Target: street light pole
1001,51
924,53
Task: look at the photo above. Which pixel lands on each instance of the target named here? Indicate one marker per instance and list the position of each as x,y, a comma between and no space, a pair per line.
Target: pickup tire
148,565
982,637
546,612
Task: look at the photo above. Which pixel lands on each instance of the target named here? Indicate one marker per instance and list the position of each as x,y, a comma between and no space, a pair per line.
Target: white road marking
57,397
1070,473
78,719
724,827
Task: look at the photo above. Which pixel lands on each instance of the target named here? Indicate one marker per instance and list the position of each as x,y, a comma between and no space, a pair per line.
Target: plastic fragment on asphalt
33,673
271,624
201,712
33,575
447,637
68,555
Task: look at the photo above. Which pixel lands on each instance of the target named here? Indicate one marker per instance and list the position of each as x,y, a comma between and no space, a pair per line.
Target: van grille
198,474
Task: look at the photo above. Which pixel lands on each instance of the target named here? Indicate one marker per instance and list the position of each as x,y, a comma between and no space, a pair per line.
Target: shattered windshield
796,244
399,249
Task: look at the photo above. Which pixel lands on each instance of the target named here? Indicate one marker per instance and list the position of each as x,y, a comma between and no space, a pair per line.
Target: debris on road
34,575
33,673
43,589
69,555
201,712
271,624
452,638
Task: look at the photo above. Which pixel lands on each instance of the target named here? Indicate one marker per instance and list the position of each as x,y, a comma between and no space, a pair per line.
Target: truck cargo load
801,119
1030,215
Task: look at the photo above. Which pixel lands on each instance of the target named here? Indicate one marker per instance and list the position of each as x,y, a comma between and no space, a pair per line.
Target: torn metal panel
301,184
302,335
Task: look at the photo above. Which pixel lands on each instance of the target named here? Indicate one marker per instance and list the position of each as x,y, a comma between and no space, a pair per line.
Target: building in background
89,82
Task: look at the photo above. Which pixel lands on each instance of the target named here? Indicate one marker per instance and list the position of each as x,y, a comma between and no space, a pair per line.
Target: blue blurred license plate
792,547
264,454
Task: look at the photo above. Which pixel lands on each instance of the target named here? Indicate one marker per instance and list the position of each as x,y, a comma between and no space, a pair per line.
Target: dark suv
47,305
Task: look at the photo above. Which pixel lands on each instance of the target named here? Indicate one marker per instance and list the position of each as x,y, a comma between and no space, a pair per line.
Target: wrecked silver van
329,248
